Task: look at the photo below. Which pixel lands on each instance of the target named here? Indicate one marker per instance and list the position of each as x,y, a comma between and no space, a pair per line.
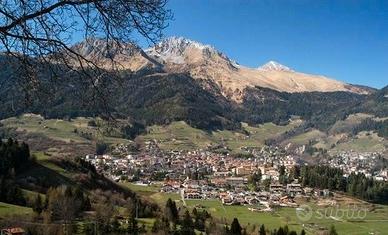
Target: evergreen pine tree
262,230
235,227
38,204
281,231
333,231
187,227
171,211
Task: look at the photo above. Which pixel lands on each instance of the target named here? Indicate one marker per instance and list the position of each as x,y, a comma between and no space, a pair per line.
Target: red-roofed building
12,231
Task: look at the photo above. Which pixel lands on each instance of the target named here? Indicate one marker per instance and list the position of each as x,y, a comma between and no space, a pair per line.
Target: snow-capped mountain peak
177,50
178,45
274,66
95,48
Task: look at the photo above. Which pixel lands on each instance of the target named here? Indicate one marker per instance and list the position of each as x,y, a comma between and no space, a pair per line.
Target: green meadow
181,136
7,210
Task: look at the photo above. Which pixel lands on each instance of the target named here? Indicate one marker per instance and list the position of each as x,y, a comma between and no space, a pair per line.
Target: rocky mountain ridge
204,63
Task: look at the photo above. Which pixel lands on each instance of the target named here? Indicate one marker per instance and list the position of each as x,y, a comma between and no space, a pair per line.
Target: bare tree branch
37,33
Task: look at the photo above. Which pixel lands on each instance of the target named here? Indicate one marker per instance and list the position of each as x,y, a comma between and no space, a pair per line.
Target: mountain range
204,62
180,79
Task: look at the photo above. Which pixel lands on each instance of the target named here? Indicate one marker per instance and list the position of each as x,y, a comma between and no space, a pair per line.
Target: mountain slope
205,62
376,103
111,55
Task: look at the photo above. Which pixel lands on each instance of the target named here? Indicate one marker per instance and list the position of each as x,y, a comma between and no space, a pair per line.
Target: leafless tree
37,34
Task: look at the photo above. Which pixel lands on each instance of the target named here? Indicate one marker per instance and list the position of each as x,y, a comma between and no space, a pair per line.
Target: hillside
376,103
180,136
163,98
45,189
59,136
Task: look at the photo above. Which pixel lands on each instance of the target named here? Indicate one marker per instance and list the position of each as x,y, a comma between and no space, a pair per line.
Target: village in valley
265,179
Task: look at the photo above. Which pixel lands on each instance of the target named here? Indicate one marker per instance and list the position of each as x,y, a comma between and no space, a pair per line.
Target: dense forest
14,157
381,127
320,109
376,104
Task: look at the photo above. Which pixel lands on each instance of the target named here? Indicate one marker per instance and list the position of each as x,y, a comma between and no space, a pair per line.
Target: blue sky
345,40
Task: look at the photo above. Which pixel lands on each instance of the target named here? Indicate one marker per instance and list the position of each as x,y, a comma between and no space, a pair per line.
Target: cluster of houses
234,192
219,168
276,195
204,174
371,164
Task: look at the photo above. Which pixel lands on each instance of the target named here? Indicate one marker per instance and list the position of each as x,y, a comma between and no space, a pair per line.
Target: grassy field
364,142
58,129
304,138
152,192
180,136
9,210
227,213
375,221
142,190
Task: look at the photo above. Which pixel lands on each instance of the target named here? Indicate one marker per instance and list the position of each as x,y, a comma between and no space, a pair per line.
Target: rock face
208,65
110,54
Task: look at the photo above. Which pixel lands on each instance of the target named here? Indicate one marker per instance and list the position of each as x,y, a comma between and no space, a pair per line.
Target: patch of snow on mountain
174,49
274,66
